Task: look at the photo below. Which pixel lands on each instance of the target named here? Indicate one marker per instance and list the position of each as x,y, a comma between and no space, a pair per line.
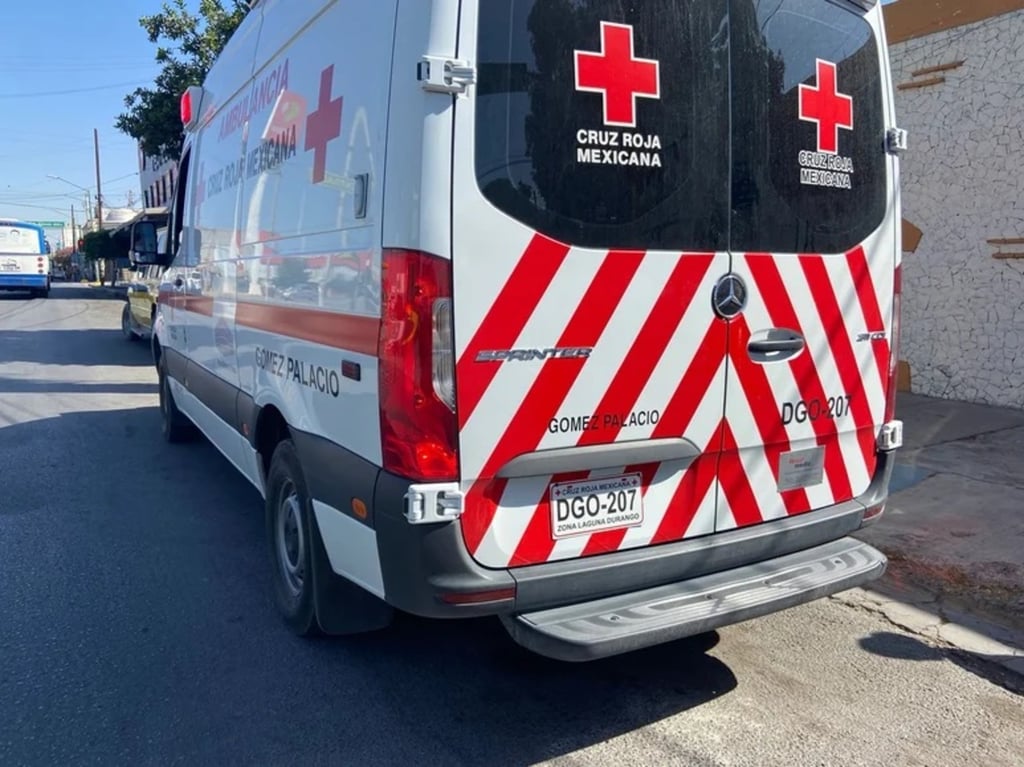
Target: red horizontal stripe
352,332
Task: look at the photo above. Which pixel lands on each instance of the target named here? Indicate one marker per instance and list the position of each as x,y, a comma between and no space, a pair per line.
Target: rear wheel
289,520
312,598
127,329
174,425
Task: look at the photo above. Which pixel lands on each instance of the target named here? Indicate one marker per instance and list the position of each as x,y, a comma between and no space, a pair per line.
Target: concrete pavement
954,529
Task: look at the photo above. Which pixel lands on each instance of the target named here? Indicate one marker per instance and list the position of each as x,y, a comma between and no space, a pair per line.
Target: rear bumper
613,625
23,281
425,566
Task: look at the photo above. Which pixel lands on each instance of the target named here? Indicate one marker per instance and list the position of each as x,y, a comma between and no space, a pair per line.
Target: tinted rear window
607,170
801,185
598,144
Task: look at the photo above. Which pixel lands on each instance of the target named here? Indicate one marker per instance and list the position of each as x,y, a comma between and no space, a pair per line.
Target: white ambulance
582,315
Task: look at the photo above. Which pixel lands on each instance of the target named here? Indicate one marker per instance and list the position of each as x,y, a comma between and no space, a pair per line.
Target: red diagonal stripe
735,485
689,495
675,421
842,350
527,427
506,319
768,280
867,295
626,386
764,408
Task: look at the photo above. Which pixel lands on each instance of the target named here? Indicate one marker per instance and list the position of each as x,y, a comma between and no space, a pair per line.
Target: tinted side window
808,127
606,124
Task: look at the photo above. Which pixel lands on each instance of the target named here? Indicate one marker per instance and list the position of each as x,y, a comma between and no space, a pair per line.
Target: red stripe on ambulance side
765,272
867,294
842,351
763,407
735,485
506,319
351,332
650,344
679,412
552,385
626,387
688,497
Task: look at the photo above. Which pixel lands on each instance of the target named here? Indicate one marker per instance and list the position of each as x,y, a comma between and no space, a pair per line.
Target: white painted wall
150,174
963,311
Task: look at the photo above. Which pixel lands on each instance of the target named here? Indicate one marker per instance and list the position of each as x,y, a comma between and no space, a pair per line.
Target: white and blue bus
24,258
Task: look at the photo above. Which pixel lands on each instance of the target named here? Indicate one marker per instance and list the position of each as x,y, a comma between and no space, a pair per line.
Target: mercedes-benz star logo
729,297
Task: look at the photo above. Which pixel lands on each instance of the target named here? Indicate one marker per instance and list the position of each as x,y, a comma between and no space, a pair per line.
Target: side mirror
144,250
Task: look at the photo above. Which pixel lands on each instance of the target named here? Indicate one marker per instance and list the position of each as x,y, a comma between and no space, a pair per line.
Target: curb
929,617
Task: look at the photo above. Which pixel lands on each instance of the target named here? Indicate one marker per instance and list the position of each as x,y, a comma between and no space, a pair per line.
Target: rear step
627,622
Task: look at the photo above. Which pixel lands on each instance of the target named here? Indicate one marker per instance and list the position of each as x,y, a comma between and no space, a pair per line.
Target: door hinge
896,141
439,74
429,504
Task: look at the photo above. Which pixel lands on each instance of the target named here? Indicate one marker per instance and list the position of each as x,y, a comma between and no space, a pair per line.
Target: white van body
579,316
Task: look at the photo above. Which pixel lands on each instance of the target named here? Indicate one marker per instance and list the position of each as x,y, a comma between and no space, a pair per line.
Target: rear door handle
775,345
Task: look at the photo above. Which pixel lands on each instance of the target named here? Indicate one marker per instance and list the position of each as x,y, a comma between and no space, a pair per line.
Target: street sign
49,224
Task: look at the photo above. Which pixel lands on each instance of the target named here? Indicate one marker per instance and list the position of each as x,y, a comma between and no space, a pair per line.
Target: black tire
126,323
318,601
174,425
289,519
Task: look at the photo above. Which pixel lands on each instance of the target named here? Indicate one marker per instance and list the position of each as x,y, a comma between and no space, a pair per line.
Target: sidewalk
954,526
120,290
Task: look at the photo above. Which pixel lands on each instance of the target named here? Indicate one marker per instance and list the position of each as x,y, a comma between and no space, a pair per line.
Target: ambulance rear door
590,227
814,244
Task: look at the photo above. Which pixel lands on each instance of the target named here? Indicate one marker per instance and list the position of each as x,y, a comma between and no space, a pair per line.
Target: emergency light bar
191,100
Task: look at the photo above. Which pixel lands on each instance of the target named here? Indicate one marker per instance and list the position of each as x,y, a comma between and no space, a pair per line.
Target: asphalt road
136,626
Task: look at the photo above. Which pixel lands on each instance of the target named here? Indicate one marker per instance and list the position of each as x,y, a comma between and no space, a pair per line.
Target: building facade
958,67
156,179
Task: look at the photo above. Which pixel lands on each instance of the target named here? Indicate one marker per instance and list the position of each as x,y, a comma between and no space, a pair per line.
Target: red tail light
417,424
894,345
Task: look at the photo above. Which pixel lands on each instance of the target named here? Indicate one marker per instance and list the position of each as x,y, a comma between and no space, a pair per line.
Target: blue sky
64,72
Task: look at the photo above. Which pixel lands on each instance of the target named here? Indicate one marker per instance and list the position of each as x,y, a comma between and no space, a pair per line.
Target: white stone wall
963,311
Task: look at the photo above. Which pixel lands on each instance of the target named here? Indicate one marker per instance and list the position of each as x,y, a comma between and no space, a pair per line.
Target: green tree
105,246
187,45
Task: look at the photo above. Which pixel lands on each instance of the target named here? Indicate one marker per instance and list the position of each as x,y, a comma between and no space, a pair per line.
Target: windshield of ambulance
683,124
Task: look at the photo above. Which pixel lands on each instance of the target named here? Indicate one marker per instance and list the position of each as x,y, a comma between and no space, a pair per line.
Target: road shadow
74,346
71,290
46,386
65,291
151,562
907,647
526,708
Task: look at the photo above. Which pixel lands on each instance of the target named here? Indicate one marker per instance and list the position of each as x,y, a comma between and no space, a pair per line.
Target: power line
39,94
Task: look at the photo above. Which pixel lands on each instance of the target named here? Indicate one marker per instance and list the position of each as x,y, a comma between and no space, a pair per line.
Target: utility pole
99,198
72,261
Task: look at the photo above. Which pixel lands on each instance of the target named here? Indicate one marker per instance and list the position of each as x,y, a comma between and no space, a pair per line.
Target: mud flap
341,606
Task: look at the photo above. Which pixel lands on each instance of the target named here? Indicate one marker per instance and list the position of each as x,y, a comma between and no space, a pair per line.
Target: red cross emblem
618,75
825,106
323,125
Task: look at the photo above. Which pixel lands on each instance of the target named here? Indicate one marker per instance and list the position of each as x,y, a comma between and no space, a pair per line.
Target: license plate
11,266
591,505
